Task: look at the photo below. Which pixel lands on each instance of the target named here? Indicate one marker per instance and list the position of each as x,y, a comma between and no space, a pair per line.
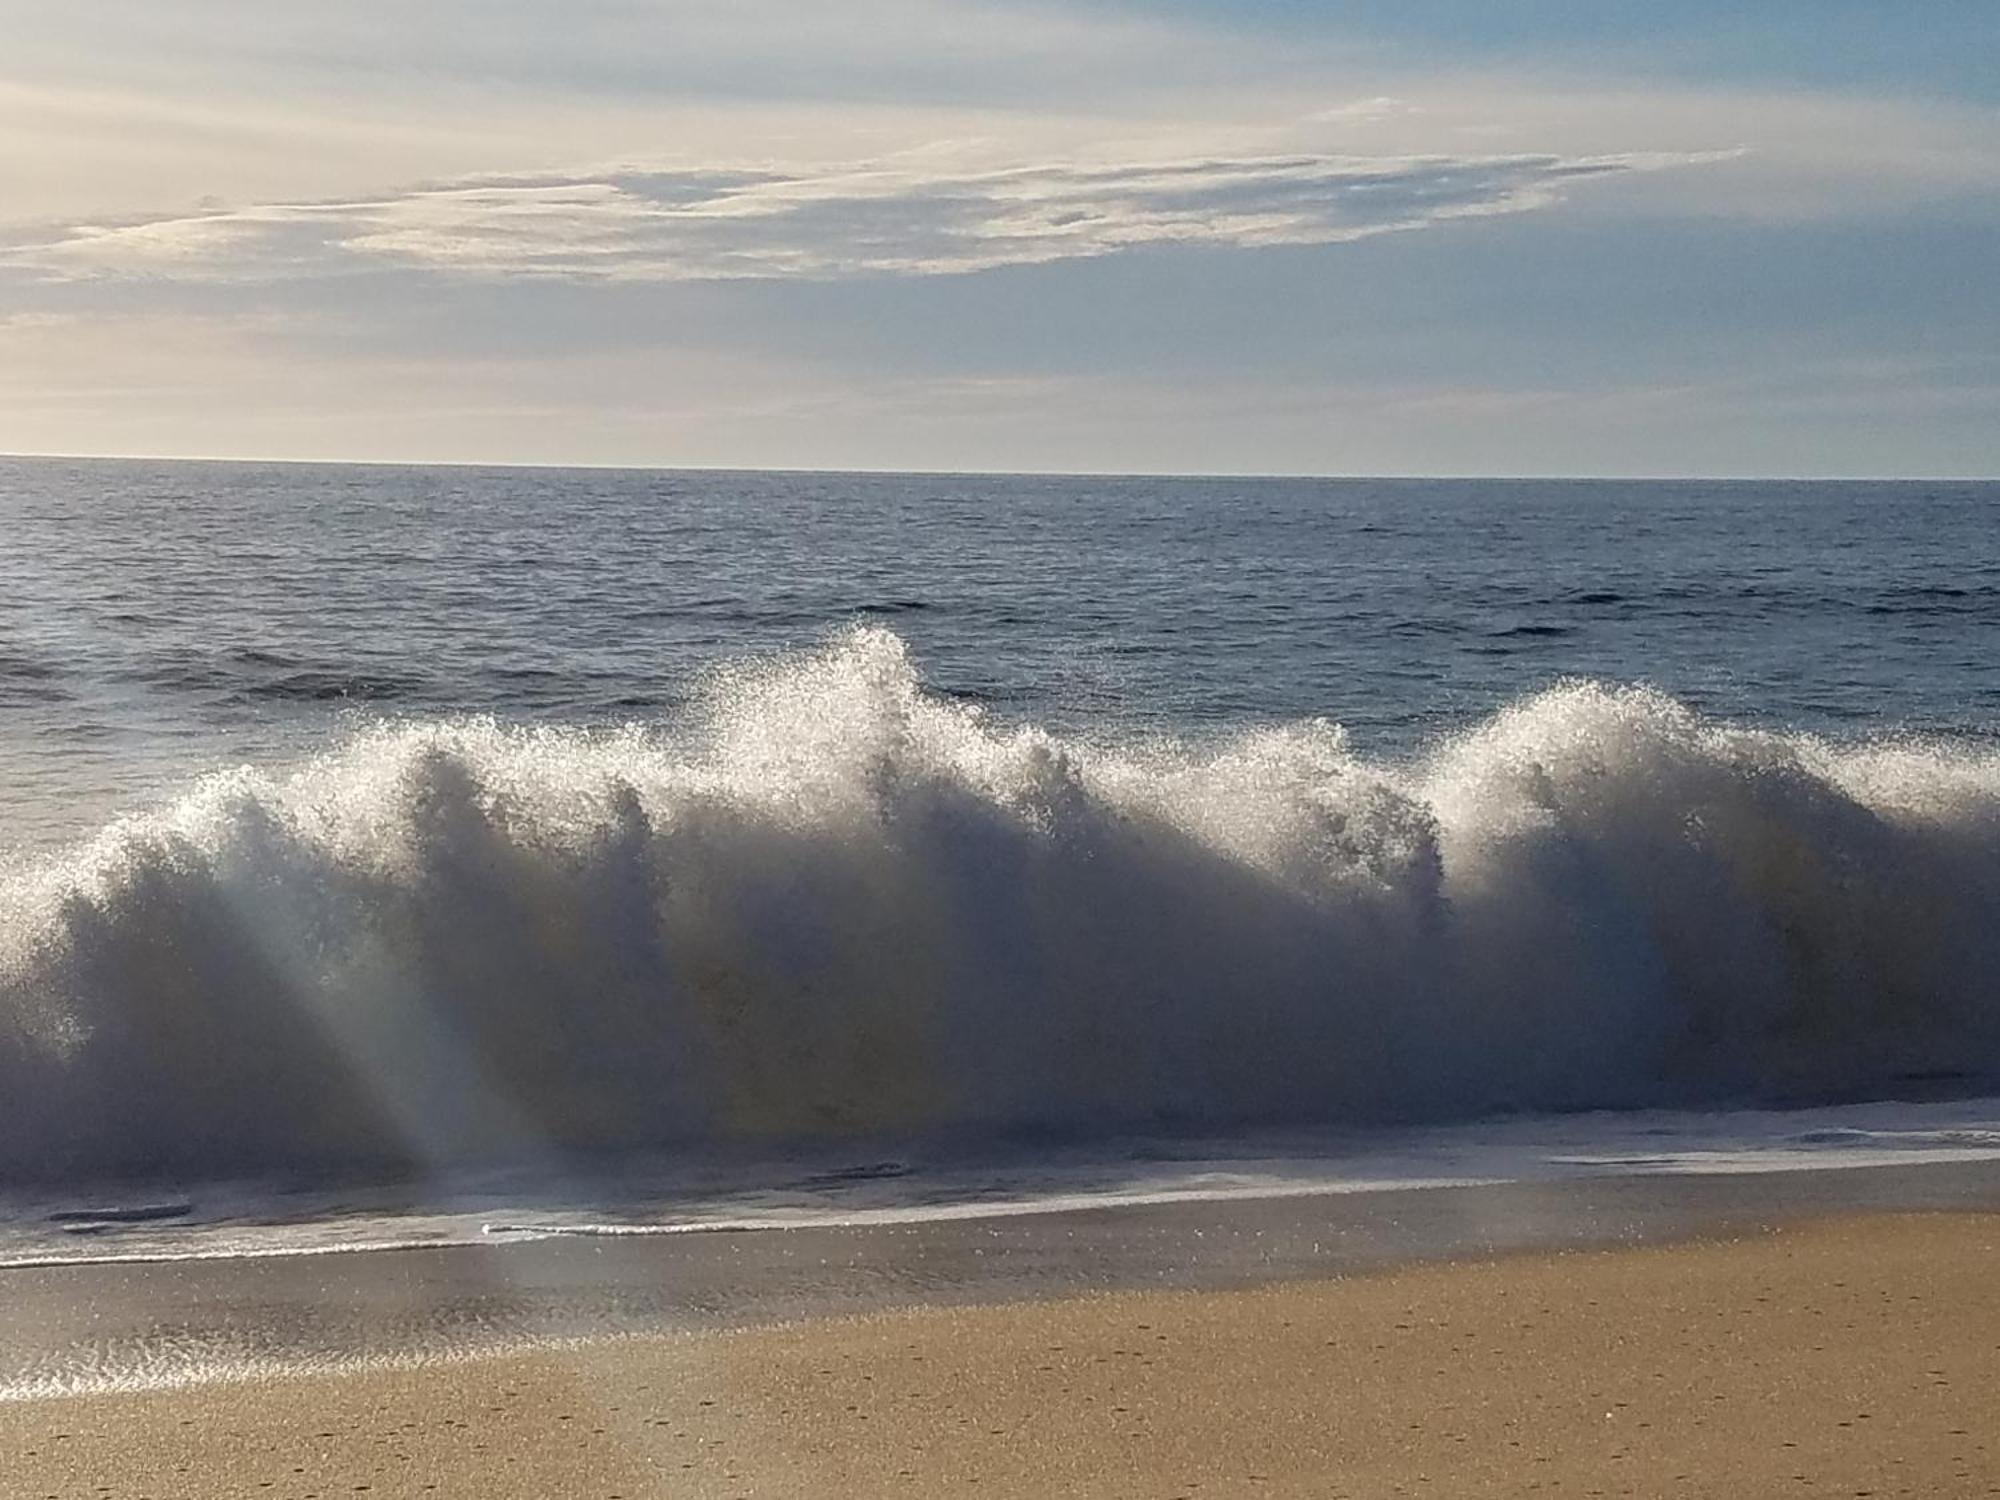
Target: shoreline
1845,1354
90,1327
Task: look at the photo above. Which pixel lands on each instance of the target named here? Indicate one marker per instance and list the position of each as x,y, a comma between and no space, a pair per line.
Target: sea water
401,854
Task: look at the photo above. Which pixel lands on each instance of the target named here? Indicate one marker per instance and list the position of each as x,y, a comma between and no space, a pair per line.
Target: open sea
398,856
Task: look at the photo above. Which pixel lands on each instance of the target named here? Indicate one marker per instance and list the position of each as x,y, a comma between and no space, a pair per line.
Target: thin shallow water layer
122,1325
888,1182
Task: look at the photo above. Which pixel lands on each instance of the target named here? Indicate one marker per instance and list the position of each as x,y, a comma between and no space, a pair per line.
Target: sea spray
830,903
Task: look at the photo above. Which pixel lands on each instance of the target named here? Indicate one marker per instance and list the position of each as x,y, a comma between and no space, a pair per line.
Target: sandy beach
1842,1357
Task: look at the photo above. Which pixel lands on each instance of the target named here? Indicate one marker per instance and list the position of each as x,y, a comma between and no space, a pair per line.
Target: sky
1264,236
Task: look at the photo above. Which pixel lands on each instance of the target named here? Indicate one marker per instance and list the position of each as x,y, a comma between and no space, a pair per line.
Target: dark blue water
157,619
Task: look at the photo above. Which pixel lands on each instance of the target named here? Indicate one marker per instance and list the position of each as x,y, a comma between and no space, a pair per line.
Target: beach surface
1846,1356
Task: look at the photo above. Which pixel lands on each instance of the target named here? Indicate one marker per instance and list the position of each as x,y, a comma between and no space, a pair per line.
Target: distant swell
833,903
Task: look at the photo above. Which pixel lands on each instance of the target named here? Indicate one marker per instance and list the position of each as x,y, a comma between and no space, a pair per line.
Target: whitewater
826,903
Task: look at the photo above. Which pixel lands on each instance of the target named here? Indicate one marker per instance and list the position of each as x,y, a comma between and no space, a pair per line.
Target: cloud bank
897,217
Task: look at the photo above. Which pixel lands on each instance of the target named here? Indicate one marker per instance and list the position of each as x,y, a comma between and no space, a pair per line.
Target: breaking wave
832,903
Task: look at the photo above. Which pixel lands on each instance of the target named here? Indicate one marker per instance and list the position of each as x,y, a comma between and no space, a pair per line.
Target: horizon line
1547,477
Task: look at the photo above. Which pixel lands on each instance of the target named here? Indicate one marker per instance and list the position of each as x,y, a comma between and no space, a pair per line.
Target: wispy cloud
896,217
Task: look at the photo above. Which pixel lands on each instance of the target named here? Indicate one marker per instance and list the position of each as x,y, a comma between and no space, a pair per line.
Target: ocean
418,855
158,621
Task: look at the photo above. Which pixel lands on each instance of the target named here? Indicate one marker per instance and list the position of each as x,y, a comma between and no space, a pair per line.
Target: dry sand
1856,1357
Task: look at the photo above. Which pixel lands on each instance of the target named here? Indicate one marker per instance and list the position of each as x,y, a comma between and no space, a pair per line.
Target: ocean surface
408,855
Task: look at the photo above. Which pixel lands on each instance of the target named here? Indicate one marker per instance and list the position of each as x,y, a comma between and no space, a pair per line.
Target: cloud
900,216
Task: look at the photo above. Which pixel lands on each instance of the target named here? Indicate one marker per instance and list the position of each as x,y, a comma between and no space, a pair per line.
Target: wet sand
1849,1356
79,1327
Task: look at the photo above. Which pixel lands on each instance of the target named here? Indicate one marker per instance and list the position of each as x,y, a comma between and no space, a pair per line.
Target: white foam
832,905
